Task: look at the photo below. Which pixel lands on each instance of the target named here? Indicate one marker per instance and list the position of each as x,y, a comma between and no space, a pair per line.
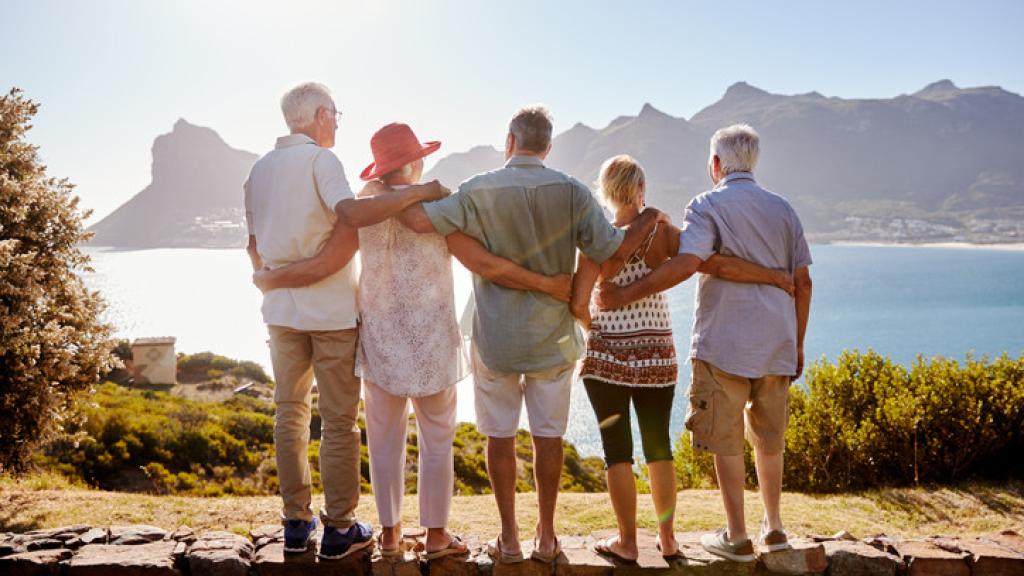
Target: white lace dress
409,342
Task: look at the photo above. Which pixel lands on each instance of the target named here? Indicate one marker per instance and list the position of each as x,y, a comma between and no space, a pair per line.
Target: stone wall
149,550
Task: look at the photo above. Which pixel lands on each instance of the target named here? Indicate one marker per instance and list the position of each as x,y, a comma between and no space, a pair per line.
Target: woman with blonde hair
631,359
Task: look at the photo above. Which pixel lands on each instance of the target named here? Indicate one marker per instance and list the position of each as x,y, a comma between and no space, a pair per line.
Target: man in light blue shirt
747,343
525,344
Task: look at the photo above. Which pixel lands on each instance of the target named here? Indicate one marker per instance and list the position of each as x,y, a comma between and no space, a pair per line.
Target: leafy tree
52,343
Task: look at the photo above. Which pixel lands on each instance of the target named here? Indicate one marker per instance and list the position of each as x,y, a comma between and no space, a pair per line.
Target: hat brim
374,170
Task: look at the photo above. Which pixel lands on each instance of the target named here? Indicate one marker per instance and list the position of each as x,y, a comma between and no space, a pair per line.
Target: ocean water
899,301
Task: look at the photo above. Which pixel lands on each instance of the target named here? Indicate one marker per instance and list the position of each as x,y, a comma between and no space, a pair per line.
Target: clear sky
113,75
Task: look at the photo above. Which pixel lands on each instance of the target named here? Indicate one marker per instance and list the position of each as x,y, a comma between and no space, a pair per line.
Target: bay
899,301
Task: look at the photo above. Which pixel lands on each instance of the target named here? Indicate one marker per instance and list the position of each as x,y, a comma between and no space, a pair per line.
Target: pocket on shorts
700,415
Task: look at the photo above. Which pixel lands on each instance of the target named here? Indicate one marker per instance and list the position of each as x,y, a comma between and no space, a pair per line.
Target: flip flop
455,546
670,557
496,551
387,552
546,558
604,548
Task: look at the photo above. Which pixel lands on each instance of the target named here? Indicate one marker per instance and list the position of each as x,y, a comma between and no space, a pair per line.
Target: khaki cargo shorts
720,403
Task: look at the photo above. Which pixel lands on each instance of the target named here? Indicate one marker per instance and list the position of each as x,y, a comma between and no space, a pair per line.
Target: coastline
1001,247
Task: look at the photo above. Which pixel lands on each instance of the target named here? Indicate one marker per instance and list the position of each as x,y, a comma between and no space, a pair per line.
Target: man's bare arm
254,255
504,272
802,279
736,269
582,287
333,256
676,270
636,232
368,210
415,218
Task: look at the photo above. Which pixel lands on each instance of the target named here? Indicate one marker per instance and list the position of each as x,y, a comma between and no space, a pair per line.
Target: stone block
846,558
271,560
802,558
44,544
408,564
454,566
183,534
268,531
1007,539
220,554
985,558
924,558
136,534
152,559
38,562
63,533
91,536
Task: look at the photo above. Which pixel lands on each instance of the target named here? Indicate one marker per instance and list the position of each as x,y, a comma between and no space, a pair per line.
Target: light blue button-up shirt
744,329
537,217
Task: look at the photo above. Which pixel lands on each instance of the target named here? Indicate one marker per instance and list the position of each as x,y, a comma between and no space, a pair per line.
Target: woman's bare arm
333,256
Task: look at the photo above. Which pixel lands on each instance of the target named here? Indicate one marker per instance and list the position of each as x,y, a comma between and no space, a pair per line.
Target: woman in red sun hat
409,342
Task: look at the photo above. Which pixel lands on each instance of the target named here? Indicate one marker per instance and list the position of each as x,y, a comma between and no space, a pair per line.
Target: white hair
299,105
737,147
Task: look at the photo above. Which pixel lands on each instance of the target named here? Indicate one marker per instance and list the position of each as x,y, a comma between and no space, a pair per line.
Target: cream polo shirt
290,197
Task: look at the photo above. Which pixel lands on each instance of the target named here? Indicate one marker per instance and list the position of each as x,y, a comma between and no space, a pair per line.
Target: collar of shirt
738,176
523,160
293,140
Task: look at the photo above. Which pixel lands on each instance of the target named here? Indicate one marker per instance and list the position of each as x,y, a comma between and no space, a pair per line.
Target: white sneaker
742,551
772,540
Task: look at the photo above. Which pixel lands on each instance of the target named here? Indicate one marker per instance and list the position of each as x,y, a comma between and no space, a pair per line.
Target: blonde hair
621,181
737,147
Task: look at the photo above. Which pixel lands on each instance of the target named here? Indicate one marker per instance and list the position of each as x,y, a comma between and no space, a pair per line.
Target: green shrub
865,421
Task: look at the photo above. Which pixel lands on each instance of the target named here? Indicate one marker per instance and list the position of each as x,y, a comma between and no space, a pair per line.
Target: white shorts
499,400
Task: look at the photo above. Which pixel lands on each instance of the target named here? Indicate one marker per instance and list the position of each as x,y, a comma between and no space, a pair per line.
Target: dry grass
48,501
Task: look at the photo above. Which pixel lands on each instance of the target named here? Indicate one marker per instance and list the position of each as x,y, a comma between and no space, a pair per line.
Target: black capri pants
653,407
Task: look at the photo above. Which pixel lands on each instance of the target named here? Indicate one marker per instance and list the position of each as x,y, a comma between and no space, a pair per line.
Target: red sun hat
395,146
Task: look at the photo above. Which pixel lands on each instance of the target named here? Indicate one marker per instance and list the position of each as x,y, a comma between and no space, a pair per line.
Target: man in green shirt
525,344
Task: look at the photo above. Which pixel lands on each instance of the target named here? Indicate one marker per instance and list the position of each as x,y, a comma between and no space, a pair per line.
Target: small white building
154,361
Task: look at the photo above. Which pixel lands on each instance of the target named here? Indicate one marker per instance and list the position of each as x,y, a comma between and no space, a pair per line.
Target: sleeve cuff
702,253
441,224
608,249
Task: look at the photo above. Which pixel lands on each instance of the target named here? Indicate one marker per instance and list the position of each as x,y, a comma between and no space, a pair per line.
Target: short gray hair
299,105
531,126
737,147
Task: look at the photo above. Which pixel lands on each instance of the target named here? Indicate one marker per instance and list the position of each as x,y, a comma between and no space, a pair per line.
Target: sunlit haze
113,75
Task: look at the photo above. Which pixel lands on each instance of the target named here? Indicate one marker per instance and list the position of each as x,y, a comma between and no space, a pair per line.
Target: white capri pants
387,424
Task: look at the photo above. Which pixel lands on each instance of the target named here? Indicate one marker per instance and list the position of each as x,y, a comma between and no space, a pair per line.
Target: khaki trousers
297,357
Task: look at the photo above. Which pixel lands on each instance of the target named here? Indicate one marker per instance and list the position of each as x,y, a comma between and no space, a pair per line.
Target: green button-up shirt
536,217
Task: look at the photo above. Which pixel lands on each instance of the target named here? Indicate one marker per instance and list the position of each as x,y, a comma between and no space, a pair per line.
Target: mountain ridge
943,163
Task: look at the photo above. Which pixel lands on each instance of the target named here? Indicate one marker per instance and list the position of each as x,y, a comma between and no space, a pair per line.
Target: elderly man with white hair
748,339
296,198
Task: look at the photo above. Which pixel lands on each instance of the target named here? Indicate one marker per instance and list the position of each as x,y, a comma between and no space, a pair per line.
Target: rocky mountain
193,200
943,163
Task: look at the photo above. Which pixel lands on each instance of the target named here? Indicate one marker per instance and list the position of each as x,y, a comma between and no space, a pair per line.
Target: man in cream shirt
296,198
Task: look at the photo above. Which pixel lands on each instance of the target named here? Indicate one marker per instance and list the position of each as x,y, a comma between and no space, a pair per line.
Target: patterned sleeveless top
632,345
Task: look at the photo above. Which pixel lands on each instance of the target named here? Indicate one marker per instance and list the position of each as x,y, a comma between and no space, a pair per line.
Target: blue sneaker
337,544
298,534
